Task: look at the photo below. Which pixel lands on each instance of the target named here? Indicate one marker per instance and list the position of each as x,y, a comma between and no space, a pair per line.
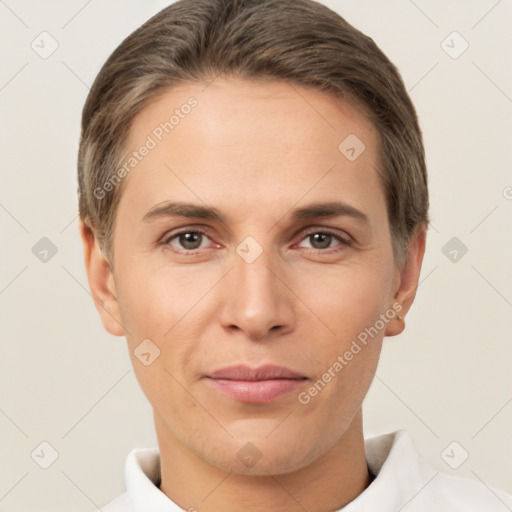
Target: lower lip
257,391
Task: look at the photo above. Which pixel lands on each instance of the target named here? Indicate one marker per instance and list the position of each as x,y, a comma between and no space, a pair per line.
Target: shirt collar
399,475
142,477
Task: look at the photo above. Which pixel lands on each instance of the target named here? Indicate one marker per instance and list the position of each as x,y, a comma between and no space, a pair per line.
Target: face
255,294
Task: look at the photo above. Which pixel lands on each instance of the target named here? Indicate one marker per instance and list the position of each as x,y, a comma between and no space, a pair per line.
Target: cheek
346,300
153,300
163,305
349,302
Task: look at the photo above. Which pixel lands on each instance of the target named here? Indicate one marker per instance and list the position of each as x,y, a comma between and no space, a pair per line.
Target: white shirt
404,482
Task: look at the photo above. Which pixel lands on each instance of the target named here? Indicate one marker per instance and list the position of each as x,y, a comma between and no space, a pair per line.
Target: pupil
189,240
323,238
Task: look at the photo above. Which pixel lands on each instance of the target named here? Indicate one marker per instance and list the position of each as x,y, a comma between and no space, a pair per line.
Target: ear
101,281
408,280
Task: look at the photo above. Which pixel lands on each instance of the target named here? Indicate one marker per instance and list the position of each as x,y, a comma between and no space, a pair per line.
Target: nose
256,299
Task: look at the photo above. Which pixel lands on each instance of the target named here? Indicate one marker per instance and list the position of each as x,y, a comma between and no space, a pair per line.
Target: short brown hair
298,41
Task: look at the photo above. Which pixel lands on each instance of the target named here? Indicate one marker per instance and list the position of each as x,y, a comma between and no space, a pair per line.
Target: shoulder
407,482
141,478
452,493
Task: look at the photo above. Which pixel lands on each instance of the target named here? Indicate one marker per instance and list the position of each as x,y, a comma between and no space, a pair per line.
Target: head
252,190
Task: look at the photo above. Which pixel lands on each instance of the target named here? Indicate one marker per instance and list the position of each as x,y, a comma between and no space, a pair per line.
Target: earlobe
101,281
409,278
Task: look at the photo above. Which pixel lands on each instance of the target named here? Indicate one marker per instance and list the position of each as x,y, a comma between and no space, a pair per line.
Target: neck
329,483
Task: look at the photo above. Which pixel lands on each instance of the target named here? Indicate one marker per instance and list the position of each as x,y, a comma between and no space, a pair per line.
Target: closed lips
244,372
256,385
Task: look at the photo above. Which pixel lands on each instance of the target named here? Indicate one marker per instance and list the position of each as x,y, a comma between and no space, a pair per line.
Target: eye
186,240
322,239
190,240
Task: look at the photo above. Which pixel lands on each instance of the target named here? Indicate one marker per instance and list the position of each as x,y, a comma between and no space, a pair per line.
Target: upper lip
264,372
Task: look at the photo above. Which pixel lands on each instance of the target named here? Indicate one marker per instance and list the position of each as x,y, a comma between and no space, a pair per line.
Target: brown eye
322,239
187,240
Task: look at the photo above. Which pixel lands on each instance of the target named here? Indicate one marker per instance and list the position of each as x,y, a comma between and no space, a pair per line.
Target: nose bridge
257,275
257,300
255,282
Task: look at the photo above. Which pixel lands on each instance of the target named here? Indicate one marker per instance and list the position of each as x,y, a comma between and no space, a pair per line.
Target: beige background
64,380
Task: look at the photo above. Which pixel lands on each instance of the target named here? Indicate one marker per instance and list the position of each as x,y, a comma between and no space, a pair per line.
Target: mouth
256,385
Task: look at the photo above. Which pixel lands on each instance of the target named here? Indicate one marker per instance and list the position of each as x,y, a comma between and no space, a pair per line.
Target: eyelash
324,231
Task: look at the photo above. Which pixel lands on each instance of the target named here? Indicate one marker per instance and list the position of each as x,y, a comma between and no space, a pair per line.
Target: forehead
261,108
242,138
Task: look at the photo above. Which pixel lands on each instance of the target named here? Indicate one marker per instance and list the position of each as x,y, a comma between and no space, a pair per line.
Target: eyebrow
312,211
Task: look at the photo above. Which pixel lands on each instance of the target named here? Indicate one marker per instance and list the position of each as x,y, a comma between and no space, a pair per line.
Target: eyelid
344,241
179,231
170,235
342,235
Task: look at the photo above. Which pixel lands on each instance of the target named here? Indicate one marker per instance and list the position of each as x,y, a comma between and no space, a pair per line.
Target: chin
271,464
263,454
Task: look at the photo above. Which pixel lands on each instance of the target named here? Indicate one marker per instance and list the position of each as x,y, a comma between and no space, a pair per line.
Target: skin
255,151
